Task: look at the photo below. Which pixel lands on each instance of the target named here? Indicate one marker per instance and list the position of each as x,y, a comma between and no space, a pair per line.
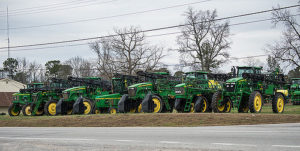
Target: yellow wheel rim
52,108
140,108
39,112
87,107
27,110
257,103
113,111
221,107
69,112
13,112
157,103
280,104
228,106
97,111
245,109
192,110
204,106
132,111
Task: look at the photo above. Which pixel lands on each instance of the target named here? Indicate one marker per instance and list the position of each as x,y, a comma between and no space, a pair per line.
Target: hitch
122,105
78,107
148,104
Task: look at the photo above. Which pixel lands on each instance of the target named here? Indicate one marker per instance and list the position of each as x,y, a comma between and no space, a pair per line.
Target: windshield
196,75
296,81
38,86
245,70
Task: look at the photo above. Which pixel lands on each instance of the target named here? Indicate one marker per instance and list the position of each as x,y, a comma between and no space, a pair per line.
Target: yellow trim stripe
145,85
106,98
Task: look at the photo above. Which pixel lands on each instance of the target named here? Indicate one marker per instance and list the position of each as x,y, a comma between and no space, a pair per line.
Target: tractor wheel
112,110
255,102
26,109
139,108
201,105
97,111
278,103
228,105
88,107
50,108
39,112
192,108
243,108
11,110
178,106
216,106
158,105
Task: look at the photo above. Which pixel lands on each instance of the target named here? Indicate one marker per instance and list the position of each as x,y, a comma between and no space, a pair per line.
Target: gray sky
247,40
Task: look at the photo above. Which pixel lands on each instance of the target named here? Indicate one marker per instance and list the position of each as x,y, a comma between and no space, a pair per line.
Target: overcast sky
247,40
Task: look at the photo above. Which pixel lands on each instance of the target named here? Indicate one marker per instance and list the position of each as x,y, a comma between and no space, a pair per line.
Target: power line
149,30
49,5
59,8
107,17
156,35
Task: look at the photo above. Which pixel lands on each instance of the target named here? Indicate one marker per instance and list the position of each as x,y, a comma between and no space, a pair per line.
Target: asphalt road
256,137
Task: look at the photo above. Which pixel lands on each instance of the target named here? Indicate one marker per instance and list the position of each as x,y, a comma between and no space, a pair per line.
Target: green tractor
295,91
80,99
23,97
155,96
42,101
195,94
248,90
109,103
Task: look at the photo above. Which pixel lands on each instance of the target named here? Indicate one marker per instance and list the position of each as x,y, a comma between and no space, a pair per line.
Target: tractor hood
140,85
109,96
180,85
75,89
234,80
295,86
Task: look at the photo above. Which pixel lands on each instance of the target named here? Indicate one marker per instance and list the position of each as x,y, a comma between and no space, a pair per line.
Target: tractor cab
295,83
246,69
196,75
35,85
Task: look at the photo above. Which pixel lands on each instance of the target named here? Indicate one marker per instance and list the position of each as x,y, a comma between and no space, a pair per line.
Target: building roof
9,85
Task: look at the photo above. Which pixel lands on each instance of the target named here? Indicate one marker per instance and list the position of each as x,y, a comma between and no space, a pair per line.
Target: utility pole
8,55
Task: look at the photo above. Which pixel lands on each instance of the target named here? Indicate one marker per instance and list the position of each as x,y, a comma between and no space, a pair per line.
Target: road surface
254,137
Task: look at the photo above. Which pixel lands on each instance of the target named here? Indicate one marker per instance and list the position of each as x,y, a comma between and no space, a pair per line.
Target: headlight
131,92
179,90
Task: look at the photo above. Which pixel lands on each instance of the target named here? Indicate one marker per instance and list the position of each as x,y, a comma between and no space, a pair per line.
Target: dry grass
170,119
291,115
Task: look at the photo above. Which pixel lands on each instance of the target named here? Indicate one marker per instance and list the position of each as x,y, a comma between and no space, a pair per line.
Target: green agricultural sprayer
157,95
23,97
295,91
195,94
80,99
109,103
248,90
42,101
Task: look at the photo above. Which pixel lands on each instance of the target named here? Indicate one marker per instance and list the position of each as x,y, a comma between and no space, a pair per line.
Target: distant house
7,88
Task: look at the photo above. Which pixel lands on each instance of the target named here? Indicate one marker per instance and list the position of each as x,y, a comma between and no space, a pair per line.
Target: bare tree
252,62
203,42
106,64
126,52
80,66
287,49
35,72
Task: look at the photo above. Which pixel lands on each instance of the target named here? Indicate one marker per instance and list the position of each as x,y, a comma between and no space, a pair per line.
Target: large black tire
244,106
255,102
216,107
50,108
178,105
228,105
278,103
11,110
88,106
201,105
158,104
26,109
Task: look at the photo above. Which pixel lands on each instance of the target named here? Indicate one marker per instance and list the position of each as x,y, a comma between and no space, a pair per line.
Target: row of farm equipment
245,89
